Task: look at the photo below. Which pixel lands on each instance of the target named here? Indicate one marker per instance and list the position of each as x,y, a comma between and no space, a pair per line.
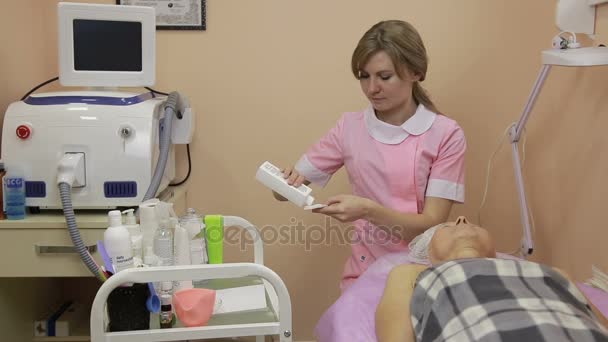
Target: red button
24,132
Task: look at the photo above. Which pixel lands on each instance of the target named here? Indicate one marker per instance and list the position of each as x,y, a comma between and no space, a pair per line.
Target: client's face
460,240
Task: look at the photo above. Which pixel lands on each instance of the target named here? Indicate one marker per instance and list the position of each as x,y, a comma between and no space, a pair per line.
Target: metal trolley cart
273,320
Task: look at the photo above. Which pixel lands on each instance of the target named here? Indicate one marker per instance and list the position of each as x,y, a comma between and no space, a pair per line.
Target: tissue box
246,298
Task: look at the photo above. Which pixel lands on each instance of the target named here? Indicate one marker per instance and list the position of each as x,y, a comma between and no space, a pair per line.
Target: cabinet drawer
18,248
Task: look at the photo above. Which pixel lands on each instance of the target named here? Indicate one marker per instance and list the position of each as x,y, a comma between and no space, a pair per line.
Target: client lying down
469,295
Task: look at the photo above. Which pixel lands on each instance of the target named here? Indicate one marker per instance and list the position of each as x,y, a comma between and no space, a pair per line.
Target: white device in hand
272,177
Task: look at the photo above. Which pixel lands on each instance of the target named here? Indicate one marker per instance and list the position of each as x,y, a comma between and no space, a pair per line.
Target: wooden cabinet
39,267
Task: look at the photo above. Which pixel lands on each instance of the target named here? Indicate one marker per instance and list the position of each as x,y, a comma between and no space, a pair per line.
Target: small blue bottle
14,192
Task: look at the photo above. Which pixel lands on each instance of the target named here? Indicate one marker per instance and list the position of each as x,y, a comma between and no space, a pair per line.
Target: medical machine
97,148
106,142
114,134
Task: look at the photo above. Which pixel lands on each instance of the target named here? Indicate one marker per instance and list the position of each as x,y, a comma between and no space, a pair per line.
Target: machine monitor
106,45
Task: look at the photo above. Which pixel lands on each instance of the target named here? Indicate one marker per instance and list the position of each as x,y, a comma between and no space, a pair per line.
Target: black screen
105,45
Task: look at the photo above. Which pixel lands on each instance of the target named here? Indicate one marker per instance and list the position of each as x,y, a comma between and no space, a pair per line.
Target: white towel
419,246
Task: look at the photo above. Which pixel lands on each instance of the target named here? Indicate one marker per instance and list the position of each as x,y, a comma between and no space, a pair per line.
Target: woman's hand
346,208
293,178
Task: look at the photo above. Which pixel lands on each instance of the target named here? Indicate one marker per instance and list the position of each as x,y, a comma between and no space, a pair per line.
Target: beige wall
269,77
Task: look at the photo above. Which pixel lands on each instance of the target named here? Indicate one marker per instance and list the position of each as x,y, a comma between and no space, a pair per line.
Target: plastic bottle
181,250
196,231
117,241
14,193
136,236
148,223
272,177
2,173
150,259
214,234
166,307
163,244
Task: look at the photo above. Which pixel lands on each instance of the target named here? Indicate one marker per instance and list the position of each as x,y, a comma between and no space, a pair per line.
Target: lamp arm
523,119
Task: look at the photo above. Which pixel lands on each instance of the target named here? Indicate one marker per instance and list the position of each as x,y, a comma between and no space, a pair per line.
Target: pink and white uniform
395,166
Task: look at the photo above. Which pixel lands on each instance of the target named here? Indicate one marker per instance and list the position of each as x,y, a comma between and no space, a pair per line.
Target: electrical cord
189,168
488,169
156,91
179,116
562,43
39,86
516,252
57,78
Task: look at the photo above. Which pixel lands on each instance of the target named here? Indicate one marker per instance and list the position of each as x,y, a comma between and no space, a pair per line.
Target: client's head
460,240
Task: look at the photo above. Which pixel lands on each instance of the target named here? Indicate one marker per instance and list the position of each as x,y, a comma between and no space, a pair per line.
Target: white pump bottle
117,242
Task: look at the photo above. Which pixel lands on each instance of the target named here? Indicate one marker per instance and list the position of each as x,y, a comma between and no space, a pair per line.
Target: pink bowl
194,307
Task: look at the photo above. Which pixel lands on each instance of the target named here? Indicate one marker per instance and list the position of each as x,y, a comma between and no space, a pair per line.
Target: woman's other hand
346,208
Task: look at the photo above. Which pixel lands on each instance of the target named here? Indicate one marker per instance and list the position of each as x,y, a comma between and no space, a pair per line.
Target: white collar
386,133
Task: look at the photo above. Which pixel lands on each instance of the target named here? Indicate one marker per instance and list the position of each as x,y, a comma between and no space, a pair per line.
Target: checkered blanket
500,300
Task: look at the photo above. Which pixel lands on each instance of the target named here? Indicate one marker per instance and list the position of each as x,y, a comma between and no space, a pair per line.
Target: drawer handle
62,249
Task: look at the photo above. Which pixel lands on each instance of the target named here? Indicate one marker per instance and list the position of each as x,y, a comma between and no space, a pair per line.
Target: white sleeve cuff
311,173
445,189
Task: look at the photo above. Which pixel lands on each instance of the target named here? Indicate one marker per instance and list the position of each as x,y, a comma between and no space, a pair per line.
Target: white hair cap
419,246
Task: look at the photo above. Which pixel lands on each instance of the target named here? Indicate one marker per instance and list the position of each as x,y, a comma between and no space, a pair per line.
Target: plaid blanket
500,300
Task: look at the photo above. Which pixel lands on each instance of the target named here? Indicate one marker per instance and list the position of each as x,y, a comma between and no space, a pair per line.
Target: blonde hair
403,45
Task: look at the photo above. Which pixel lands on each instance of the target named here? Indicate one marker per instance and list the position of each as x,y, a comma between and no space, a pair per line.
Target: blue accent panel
35,189
120,189
92,100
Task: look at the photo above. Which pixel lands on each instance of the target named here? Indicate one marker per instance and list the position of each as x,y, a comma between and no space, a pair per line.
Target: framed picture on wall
175,14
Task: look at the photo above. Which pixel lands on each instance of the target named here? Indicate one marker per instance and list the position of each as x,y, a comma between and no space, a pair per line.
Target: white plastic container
198,246
150,259
182,252
148,223
272,177
136,236
117,242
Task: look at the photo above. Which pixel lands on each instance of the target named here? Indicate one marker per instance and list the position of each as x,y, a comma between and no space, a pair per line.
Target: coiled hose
65,191
165,145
